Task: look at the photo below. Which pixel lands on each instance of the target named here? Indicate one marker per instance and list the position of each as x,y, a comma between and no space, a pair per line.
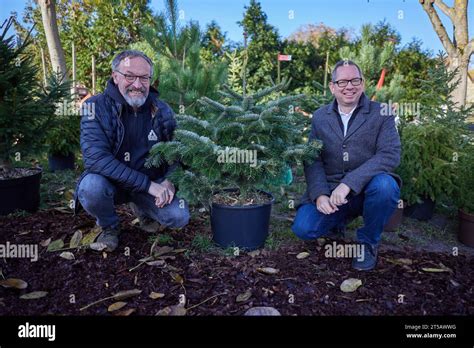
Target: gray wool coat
370,147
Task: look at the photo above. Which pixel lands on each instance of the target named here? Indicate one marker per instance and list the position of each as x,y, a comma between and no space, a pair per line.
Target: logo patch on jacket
152,136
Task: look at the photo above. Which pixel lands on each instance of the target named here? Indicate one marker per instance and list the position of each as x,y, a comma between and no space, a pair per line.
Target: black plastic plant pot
20,193
244,227
420,211
61,162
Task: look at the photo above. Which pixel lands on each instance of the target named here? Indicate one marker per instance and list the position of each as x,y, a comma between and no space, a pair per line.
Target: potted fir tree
465,196
63,140
26,110
230,159
431,143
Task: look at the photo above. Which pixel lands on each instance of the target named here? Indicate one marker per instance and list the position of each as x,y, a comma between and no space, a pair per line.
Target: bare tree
56,53
459,48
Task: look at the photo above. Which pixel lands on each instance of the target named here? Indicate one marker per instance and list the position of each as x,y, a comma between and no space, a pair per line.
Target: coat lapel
361,117
333,121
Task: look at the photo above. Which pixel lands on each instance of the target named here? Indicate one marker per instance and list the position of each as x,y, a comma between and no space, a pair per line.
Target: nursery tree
243,143
26,108
372,60
183,76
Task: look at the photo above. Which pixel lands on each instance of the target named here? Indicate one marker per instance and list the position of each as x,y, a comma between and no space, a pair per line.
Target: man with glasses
354,173
118,128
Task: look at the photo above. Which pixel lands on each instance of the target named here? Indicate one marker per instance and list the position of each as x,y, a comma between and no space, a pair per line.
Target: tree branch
469,49
448,11
439,27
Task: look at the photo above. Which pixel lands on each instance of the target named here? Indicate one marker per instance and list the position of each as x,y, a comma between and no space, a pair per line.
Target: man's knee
306,226
94,188
384,187
301,230
178,216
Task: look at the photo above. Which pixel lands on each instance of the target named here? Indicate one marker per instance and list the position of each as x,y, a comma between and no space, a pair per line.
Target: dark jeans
98,196
376,204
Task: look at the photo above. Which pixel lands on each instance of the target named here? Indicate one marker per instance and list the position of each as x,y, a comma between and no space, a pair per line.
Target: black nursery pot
421,211
60,162
245,227
20,194
466,228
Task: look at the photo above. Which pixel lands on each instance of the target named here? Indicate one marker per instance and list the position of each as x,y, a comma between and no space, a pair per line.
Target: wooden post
43,63
326,66
73,53
93,75
278,68
244,77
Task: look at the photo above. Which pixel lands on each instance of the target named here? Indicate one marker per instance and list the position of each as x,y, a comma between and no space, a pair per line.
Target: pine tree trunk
56,53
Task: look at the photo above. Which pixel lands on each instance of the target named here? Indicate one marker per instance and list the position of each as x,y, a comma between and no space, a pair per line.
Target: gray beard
135,102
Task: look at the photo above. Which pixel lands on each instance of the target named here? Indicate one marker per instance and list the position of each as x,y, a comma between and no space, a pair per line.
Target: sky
407,16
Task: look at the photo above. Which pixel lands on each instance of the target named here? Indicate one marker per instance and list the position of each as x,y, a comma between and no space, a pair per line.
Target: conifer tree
243,143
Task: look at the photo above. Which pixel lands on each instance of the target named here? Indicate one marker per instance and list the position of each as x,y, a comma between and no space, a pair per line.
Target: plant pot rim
243,207
37,169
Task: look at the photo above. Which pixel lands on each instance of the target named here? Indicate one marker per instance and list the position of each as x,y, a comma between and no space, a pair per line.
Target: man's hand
161,193
172,190
324,205
338,196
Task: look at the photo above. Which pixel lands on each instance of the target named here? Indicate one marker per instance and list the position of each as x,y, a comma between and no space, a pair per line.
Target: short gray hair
344,62
131,54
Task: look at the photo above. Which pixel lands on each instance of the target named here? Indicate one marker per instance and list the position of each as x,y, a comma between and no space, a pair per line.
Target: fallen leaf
14,283
104,255
162,250
56,245
156,263
302,255
62,188
254,253
156,295
67,255
178,251
135,222
125,313
97,246
75,239
34,295
116,306
45,243
401,261
455,283
244,297
350,285
176,310
268,270
435,270
331,283
90,237
122,295
177,278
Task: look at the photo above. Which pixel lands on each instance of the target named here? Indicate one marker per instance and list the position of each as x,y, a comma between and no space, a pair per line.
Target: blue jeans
376,204
98,196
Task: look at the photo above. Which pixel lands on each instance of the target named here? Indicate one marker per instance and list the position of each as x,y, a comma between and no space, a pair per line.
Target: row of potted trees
28,123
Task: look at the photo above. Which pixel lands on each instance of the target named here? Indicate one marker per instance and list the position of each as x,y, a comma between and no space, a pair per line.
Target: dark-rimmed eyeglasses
133,78
354,82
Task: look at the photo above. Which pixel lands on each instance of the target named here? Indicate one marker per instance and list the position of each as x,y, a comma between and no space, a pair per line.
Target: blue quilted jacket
102,133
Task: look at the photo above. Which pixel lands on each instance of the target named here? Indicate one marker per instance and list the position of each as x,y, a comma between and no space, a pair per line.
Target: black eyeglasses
343,83
133,78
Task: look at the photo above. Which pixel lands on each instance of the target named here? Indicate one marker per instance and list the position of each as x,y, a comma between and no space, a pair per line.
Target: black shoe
336,233
368,260
109,237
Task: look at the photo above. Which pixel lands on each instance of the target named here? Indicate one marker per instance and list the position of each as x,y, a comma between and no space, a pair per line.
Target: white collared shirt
345,117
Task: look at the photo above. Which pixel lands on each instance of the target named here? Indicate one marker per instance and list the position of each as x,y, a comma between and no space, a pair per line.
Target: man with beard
118,128
354,173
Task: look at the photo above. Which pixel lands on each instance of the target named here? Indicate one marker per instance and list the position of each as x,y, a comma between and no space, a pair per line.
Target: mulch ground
212,282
